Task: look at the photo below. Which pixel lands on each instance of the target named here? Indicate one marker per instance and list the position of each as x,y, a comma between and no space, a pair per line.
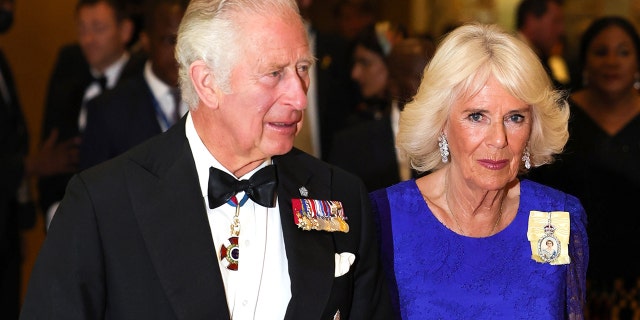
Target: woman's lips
493,164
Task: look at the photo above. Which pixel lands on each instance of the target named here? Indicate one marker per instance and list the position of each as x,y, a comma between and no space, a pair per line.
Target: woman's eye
475,117
516,118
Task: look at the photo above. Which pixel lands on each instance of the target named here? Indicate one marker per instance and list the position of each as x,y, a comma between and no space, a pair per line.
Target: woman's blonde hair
461,66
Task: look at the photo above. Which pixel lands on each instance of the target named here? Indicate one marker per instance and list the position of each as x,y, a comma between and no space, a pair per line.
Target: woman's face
611,61
370,72
487,135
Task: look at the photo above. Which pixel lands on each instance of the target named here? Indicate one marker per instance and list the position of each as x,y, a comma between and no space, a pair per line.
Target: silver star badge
303,192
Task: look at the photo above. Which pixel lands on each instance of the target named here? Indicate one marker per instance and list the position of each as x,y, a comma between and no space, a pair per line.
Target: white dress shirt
260,288
112,73
162,94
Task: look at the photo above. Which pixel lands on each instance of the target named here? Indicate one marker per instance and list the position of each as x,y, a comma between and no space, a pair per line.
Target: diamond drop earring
444,147
526,157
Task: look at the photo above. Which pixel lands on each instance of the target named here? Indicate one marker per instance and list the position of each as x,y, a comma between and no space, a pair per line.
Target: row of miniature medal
322,215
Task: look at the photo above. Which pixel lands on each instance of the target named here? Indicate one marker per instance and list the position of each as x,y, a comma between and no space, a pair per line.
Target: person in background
17,167
600,163
368,149
82,71
331,94
145,104
370,71
218,218
466,240
540,23
353,16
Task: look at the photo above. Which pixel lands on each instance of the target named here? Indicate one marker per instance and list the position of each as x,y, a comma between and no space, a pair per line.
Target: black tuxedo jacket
70,78
118,120
131,240
368,150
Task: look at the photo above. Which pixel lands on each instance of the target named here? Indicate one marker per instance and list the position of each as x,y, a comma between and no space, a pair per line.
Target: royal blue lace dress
435,273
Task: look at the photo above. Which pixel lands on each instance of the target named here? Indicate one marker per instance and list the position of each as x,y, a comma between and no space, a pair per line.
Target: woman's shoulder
549,198
401,189
537,189
402,186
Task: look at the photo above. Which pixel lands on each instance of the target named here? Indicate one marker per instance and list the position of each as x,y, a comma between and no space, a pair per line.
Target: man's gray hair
210,31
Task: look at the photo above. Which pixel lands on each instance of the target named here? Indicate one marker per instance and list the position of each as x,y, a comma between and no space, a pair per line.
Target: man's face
7,4
160,42
263,112
101,37
549,28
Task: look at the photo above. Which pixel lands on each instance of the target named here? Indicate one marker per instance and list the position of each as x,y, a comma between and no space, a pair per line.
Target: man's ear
126,31
145,42
204,83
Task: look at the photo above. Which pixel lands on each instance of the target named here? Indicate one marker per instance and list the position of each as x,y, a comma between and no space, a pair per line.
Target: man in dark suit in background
540,23
332,94
368,149
14,144
82,72
143,105
156,232
16,167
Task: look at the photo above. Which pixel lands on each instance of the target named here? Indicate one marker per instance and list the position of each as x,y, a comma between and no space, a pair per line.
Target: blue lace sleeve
579,253
382,219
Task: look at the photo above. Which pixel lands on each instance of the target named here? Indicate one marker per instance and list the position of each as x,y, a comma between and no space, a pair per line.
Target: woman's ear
204,83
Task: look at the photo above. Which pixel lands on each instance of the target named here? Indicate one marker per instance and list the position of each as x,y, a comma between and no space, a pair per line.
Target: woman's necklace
455,219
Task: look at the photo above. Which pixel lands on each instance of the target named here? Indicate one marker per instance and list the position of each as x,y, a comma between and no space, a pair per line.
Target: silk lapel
310,254
169,207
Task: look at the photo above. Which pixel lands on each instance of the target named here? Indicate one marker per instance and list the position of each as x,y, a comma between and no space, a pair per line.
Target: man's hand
54,157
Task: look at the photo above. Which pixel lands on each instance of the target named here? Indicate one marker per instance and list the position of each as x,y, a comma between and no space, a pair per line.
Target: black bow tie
261,187
101,81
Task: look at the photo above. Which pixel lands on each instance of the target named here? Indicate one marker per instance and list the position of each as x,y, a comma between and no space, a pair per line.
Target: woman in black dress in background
601,165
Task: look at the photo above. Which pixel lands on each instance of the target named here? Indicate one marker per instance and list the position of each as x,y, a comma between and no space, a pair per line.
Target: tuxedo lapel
310,254
169,207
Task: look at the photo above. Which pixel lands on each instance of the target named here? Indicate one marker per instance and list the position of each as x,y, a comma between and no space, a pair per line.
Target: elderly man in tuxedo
157,232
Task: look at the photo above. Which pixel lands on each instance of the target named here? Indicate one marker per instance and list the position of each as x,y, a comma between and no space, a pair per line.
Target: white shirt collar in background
162,94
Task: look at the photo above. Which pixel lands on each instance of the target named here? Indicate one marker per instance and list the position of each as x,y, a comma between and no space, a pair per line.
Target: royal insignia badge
548,233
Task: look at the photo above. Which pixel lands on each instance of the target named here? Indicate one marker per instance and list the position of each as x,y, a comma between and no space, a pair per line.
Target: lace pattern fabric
438,274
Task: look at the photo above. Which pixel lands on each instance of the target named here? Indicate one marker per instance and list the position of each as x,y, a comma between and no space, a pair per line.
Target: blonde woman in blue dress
485,113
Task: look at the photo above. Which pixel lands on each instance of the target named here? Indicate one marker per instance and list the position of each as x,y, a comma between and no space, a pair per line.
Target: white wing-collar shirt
162,94
261,287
